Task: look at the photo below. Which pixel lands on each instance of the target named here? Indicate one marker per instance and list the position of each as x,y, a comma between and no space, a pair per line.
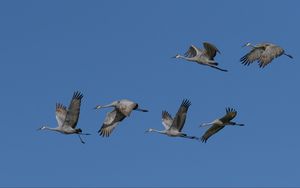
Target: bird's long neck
105,106
206,124
183,57
51,128
158,131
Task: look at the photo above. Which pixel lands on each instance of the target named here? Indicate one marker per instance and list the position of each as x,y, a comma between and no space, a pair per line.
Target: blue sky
121,49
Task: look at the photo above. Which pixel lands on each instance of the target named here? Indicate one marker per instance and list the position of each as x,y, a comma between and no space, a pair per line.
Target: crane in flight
263,53
202,56
219,124
122,109
67,119
173,127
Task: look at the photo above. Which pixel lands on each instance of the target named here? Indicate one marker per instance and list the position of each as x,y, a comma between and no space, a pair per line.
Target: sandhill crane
264,53
219,124
67,118
174,126
202,56
122,109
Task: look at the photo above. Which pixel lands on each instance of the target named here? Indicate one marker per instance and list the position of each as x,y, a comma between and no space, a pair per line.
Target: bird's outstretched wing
253,55
126,106
211,50
211,131
60,114
111,121
191,52
180,116
230,114
167,119
74,110
271,52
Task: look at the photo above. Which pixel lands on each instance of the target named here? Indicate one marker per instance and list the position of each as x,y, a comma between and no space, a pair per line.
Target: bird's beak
97,107
39,129
175,56
246,44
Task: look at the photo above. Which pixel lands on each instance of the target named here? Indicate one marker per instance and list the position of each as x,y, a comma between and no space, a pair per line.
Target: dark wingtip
77,95
186,103
203,140
228,109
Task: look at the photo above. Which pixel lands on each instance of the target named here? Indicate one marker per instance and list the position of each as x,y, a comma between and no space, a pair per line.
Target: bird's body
219,124
202,56
67,119
174,126
263,53
122,109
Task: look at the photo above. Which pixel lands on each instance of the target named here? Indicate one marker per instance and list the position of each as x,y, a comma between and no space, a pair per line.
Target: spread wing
111,121
74,110
167,119
252,56
126,106
191,52
211,50
230,114
211,131
271,52
60,112
180,116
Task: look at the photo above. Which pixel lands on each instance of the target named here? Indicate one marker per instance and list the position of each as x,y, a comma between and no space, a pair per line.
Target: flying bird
67,118
173,127
263,53
122,109
219,124
202,56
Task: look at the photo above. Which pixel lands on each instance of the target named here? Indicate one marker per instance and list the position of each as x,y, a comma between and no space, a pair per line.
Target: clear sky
112,50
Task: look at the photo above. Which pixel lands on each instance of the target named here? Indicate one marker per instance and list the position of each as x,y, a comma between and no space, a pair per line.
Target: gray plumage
67,119
173,127
263,53
202,56
122,109
219,124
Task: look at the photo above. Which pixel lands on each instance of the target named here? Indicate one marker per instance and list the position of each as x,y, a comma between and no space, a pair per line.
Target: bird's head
41,128
176,56
247,44
97,107
113,104
149,130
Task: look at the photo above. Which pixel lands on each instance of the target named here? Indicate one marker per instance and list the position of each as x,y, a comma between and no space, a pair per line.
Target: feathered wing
211,50
252,56
111,121
60,114
126,106
74,110
271,52
167,119
180,116
230,114
211,131
191,52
